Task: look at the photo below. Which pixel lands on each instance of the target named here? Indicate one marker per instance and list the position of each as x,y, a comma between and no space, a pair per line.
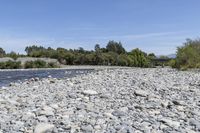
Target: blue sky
157,26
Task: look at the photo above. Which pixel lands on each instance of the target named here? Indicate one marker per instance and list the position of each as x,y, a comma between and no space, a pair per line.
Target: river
6,77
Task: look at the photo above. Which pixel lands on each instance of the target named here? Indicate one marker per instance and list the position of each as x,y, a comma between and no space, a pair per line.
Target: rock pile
112,101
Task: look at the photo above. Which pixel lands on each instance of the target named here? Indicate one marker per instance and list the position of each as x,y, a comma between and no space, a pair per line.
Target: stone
169,122
28,115
118,113
140,93
46,112
176,102
72,95
194,123
87,128
109,115
42,118
89,92
124,109
54,106
43,128
154,112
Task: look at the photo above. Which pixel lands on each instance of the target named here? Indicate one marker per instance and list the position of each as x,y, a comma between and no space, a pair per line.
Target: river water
6,77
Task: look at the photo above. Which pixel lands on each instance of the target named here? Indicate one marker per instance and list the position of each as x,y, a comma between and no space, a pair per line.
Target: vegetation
188,55
10,65
39,64
2,52
113,54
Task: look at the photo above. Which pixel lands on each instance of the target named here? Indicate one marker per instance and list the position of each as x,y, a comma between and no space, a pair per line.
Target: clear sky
157,26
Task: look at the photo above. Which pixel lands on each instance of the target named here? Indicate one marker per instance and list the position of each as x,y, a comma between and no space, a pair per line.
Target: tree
31,49
13,55
81,50
115,47
98,59
97,48
151,56
2,52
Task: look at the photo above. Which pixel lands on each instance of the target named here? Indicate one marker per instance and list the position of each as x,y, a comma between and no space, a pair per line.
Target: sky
157,26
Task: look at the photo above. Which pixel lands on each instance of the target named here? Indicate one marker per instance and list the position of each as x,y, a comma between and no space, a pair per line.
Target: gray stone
176,102
118,113
194,123
90,92
42,118
140,93
46,112
43,128
169,122
87,128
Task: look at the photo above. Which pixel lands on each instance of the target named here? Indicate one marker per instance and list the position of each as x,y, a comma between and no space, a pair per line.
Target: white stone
140,93
43,128
90,92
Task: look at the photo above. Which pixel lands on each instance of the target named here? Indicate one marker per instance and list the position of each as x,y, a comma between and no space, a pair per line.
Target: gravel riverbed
108,101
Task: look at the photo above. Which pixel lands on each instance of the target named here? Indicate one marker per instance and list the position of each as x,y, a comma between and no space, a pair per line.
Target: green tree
115,47
34,51
2,52
13,55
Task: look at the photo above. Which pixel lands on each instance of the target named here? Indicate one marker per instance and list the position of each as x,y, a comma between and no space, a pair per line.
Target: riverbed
134,100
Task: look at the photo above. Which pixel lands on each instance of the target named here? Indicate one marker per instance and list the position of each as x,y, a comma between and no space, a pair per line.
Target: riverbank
110,100
72,67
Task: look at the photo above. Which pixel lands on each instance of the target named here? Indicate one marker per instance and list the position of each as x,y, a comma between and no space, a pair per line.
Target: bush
123,60
188,56
35,64
139,58
52,65
10,65
40,64
172,63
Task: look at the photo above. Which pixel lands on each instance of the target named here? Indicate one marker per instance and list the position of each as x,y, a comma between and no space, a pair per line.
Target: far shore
68,67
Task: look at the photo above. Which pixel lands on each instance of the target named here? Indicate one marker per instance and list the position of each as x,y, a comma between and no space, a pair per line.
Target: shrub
35,64
139,58
52,65
172,63
188,56
10,65
40,64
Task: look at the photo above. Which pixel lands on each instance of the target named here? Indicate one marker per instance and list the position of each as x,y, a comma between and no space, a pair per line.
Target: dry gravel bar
115,100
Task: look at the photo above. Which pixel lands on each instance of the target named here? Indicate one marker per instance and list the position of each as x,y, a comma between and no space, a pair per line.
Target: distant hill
169,56
172,56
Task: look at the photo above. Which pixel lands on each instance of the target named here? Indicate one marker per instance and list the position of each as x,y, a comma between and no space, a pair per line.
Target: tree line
187,56
113,54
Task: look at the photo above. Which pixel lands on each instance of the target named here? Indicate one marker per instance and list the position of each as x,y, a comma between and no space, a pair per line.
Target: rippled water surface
6,77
